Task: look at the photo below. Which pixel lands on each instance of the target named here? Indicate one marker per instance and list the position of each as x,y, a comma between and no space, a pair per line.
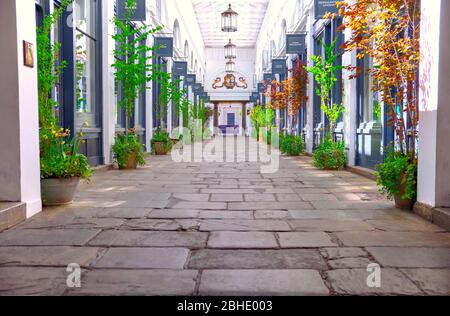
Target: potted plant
128,151
62,166
292,145
397,179
393,42
133,70
161,143
329,155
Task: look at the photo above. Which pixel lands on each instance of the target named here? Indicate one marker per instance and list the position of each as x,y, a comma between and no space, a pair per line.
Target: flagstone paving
226,228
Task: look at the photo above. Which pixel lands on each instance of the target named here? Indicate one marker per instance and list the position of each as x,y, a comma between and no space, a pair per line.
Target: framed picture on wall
28,54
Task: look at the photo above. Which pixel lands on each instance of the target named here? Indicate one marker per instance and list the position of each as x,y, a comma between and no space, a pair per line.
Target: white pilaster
19,127
109,102
434,157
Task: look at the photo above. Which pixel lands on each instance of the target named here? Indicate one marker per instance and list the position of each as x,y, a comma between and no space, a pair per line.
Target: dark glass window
85,63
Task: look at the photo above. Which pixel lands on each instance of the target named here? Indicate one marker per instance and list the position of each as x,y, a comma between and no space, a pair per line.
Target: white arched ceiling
251,16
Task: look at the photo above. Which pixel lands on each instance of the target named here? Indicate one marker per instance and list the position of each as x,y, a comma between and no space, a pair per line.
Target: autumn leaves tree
388,32
290,94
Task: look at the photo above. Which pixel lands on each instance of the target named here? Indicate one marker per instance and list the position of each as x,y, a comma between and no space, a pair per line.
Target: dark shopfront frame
93,136
138,123
327,31
367,143
302,115
160,64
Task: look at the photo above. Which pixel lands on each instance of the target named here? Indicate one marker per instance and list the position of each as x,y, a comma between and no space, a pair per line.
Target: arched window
186,50
176,35
195,67
283,34
191,61
159,9
273,49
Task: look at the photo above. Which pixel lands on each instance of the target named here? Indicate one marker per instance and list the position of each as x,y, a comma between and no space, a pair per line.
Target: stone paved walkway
226,229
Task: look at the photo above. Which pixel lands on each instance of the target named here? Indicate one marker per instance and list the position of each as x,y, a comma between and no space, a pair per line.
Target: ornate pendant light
230,51
229,20
229,66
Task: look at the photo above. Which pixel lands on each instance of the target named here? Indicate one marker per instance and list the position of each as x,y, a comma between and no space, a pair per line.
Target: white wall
215,68
434,127
19,129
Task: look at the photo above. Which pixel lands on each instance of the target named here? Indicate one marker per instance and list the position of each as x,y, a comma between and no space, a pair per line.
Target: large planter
400,202
161,148
57,192
132,162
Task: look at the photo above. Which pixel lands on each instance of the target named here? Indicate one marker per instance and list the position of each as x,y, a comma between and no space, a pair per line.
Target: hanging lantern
229,66
230,51
229,20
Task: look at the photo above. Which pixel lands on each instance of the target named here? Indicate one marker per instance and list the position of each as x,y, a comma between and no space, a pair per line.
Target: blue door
231,120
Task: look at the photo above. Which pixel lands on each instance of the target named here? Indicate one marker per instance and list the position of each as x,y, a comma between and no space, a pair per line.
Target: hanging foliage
388,31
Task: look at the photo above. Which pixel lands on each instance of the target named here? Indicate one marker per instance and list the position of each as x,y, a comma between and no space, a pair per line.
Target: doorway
231,119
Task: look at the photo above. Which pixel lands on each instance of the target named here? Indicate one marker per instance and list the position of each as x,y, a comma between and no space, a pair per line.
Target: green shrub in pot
161,143
397,178
330,155
128,151
292,145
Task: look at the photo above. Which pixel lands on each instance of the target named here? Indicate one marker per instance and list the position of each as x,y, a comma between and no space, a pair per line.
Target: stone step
11,214
441,217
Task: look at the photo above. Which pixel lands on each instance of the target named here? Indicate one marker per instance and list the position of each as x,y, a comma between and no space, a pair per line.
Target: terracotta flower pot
57,192
131,164
400,202
161,148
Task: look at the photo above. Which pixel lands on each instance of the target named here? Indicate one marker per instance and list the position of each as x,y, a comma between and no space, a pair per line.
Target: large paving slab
244,225
44,237
257,259
137,283
355,282
162,224
60,256
431,281
150,239
409,257
323,225
19,281
242,240
144,258
396,239
74,223
236,206
305,240
262,283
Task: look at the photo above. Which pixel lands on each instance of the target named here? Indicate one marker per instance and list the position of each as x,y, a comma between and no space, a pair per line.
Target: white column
19,127
350,103
311,92
169,106
109,100
149,107
434,154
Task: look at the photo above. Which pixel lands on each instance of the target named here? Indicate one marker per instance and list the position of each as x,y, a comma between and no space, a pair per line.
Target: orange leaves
388,32
291,93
